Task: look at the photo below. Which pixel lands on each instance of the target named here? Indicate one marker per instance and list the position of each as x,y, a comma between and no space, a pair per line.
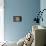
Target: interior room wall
1,20
25,8
43,6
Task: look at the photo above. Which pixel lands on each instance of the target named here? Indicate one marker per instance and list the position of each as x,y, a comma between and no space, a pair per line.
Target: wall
25,8
43,6
1,20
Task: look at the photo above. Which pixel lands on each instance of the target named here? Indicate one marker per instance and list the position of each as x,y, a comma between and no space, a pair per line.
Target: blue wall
43,6
25,8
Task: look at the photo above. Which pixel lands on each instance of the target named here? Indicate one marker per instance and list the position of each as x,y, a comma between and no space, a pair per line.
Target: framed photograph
17,18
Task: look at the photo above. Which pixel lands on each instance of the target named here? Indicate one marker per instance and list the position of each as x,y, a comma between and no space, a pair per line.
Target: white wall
1,20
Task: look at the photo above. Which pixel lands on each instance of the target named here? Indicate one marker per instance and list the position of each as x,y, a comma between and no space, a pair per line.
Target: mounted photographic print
17,18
